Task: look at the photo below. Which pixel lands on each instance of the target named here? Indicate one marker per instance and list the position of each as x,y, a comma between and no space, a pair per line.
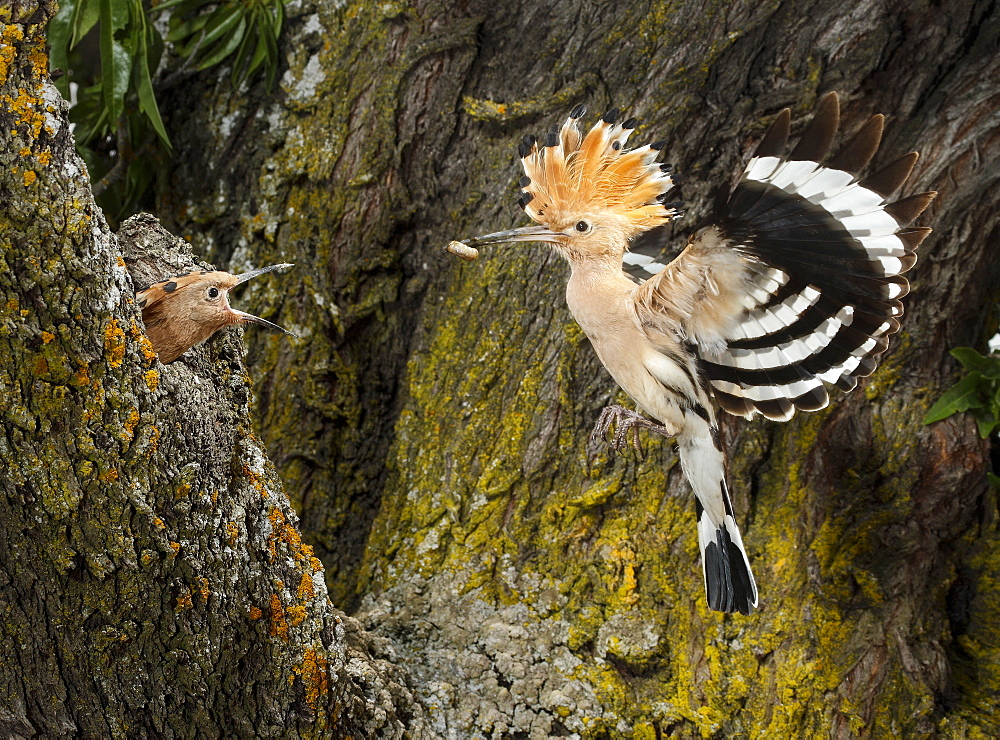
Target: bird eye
213,293
582,226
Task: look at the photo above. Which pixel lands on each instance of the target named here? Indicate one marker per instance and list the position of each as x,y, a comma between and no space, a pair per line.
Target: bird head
588,194
183,311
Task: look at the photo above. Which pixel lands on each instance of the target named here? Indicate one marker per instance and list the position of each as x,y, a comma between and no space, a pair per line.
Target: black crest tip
658,145
524,182
578,112
611,116
551,138
631,123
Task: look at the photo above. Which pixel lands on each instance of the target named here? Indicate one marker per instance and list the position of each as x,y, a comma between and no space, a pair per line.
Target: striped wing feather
824,252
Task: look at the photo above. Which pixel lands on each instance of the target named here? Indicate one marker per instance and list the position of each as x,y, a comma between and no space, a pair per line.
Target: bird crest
572,173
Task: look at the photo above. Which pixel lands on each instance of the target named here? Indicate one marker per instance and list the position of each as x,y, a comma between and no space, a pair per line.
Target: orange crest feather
573,174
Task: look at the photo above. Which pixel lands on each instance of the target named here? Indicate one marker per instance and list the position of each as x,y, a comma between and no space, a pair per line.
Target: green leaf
184,30
116,62
224,19
59,31
993,479
960,397
224,49
85,15
986,423
989,365
144,89
175,3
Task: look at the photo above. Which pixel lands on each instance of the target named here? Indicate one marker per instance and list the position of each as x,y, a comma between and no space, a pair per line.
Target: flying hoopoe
794,283
185,310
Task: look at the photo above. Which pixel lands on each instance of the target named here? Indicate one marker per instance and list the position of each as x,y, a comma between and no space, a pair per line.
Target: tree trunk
152,579
431,422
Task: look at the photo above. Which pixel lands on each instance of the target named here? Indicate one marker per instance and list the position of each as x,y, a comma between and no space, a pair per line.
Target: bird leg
626,423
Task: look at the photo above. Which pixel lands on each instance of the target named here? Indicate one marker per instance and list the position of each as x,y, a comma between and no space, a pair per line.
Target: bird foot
627,424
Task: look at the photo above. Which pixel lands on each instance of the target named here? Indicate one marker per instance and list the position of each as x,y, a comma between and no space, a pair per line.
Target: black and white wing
825,250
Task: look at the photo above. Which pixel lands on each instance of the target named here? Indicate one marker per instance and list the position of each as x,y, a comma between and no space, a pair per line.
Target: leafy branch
112,50
978,393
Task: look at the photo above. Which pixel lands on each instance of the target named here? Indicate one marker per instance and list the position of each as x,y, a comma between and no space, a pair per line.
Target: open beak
249,318
524,234
242,278
243,316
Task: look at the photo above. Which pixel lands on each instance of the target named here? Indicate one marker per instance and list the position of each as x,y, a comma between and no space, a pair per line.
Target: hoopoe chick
794,284
183,311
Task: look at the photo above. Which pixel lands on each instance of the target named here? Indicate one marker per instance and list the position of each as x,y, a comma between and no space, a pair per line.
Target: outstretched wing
822,256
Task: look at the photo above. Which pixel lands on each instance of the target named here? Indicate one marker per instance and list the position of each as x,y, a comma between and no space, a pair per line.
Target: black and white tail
826,253
729,582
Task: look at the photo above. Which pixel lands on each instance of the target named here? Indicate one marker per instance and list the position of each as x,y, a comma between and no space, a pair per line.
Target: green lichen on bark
528,588
153,581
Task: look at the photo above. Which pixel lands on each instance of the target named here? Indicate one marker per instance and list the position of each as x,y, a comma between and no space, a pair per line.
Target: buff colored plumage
794,285
185,310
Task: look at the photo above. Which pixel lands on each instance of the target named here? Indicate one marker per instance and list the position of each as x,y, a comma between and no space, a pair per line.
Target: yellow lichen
306,588
296,615
152,378
278,626
82,376
314,672
184,602
114,343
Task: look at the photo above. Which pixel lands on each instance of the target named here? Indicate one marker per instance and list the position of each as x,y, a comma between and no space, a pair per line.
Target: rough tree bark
152,580
431,422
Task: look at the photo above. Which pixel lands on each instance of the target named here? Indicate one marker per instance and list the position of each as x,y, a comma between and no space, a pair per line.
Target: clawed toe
627,424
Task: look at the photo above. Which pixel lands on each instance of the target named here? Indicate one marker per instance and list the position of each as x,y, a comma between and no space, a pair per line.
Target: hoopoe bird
185,310
795,283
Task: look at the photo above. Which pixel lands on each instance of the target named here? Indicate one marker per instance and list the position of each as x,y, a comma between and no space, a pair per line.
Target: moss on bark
153,581
432,425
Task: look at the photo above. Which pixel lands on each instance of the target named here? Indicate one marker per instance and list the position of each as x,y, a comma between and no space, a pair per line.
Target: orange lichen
131,421
158,523
184,602
176,547
82,376
296,615
47,337
283,531
306,588
43,158
315,675
109,475
232,533
254,613
278,626
203,588
114,343
29,177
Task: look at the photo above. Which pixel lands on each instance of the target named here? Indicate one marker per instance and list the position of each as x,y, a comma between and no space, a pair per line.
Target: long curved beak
523,234
243,316
249,318
242,278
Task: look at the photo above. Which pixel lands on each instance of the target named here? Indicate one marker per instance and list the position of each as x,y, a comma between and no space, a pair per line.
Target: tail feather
729,582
